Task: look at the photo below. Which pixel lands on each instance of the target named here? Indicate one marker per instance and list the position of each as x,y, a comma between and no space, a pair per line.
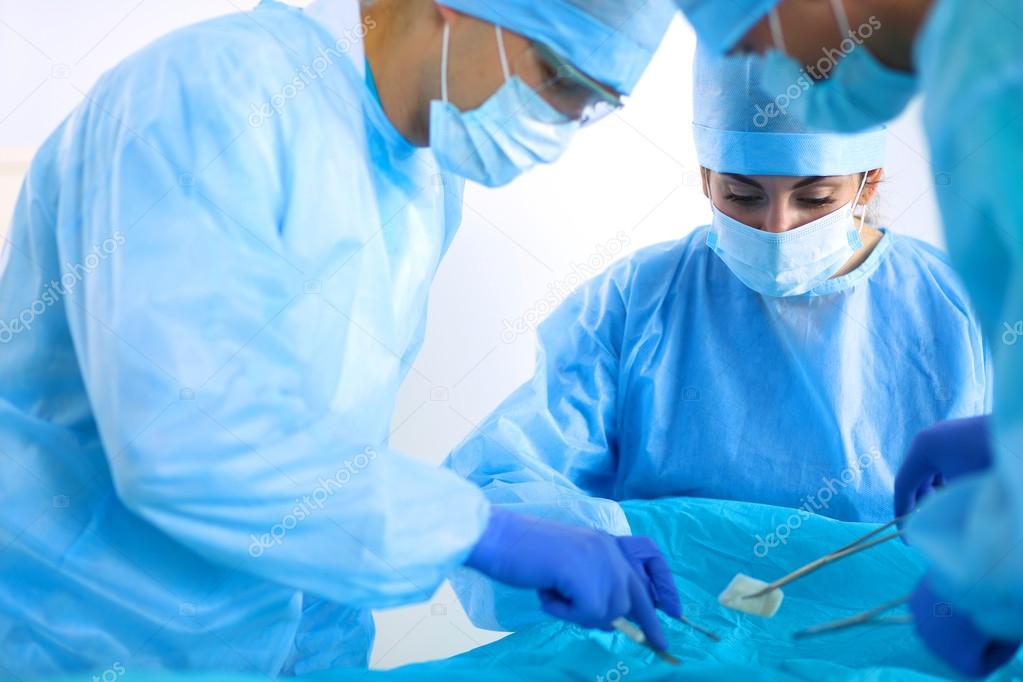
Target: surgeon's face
475,71
779,203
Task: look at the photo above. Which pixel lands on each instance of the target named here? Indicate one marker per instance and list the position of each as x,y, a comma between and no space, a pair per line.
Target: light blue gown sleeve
972,532
549,450
230,396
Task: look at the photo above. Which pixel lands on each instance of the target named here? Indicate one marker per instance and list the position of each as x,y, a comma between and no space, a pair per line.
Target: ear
874,178
705,181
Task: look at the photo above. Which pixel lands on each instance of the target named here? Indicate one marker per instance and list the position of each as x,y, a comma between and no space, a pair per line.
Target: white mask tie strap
504,55
444,63
777,37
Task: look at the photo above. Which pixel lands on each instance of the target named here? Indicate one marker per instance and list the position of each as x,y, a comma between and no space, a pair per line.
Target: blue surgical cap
741,128
721,23
611,41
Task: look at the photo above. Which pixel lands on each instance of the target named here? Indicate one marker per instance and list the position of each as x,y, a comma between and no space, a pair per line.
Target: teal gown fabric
216,280
707,542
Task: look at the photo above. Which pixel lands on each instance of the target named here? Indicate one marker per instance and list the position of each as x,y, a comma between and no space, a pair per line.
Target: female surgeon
857,63
784,354
216,280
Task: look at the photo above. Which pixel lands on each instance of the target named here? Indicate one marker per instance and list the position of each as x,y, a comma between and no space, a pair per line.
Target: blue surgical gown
666,376
215,281
970,60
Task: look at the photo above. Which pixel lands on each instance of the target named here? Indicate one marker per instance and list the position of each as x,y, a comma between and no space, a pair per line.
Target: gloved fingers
940,454
648,559
659,575
555,605
637,546
644,614
965,446
998,654
620,599
914,482
923,490
597,594
952,635
587,615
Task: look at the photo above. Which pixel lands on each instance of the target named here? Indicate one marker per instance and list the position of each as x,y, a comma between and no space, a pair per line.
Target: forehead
785,182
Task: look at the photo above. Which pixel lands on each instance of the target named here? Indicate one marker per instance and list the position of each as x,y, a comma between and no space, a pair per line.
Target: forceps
636,635
858,545
873,616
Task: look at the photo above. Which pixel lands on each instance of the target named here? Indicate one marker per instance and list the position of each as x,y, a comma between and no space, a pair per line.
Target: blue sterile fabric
742,126
707,542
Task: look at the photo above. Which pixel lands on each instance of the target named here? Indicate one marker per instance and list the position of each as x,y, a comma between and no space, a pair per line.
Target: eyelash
549,72
742,199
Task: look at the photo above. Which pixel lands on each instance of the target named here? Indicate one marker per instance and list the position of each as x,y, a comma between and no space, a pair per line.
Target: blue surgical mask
859,93
514,130
788,263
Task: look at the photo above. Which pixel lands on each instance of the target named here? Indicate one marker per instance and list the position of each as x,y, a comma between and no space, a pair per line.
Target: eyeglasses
573,92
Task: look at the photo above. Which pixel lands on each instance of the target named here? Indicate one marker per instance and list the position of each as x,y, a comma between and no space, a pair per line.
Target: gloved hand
954,638
583,576
939,455
646,559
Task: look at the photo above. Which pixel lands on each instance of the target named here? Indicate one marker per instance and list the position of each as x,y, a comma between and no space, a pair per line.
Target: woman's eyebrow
746,180
809,181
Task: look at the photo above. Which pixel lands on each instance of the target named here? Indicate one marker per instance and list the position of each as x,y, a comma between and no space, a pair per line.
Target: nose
778,220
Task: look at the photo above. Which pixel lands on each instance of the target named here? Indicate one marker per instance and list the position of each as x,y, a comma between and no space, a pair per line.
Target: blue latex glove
939,455
646,559
584,576
954,638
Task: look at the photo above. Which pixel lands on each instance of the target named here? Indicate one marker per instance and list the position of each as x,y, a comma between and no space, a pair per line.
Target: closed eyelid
745,190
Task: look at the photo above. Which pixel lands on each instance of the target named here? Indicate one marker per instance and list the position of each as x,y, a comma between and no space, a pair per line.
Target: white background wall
634,173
